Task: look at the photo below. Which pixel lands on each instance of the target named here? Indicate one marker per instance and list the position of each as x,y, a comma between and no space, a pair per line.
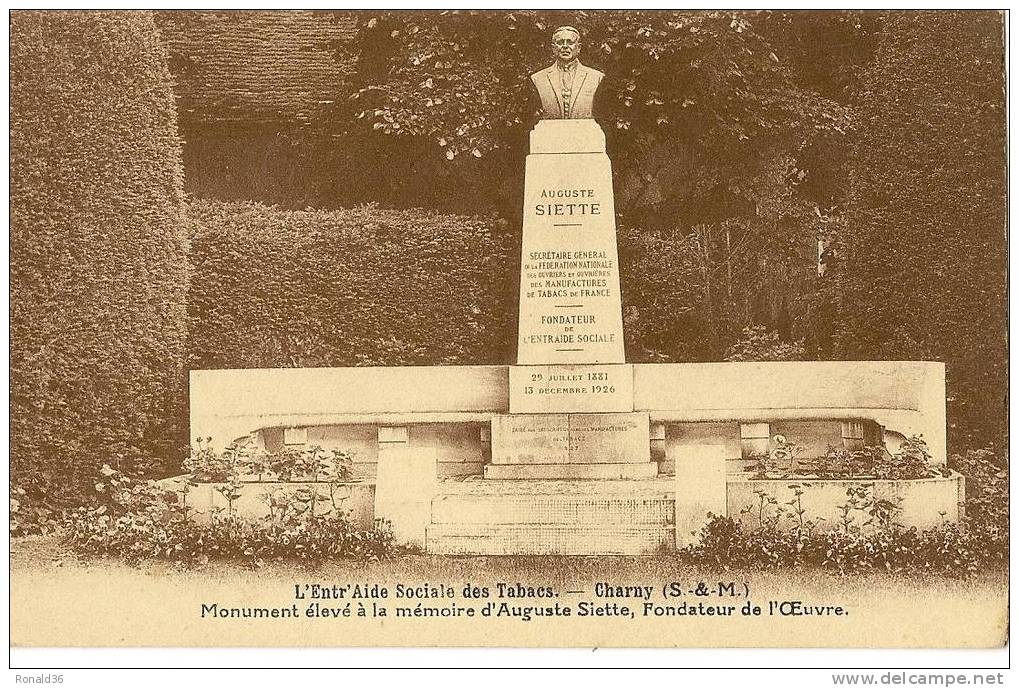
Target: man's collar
568,66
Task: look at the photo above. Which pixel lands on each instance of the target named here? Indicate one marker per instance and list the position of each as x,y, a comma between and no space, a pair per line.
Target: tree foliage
460,77
757,344
921,263
723,143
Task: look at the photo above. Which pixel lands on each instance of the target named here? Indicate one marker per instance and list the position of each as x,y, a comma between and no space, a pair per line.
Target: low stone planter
357,499
926,502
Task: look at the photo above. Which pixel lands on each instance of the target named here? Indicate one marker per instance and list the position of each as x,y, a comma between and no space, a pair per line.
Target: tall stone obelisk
570,308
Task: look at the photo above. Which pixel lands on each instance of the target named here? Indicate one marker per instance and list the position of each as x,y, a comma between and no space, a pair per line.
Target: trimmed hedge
98,250
279,66
275,288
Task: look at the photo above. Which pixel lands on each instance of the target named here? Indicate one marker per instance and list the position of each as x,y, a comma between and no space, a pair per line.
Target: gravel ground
57,599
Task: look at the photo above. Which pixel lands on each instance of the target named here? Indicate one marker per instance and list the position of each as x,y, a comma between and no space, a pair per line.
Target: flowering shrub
839,463
139,536
242,460
911,461
947,549
781,461
141,520
986,501
866,537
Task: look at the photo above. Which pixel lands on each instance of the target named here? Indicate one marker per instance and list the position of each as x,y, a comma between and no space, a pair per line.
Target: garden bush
986,500
98,249
138,520
371,286
275,288
867,535
142,536
949,549
911,461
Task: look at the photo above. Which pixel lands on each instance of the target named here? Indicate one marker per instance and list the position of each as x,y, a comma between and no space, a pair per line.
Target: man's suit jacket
549,87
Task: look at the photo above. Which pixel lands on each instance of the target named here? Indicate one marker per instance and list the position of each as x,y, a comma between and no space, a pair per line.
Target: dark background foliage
275,288
98,249
922,263
738,141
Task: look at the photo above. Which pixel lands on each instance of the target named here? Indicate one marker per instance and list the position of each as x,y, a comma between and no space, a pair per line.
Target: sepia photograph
509,329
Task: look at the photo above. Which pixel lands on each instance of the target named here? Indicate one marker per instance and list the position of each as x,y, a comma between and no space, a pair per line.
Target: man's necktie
567,84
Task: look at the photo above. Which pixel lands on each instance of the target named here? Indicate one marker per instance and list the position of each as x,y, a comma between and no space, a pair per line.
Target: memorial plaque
571,388
531,439
570,306
610,438
576,438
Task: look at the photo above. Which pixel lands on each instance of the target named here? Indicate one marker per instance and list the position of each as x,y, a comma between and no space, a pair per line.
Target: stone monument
573,450
571,392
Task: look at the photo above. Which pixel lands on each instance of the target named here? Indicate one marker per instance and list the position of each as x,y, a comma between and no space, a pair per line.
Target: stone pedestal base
700,489
561,446
570,303
571,438
404,488
575,517
547,540
567,471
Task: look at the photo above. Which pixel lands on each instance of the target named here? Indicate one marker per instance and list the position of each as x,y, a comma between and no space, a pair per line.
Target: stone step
549,509
571,471
547,539
658,486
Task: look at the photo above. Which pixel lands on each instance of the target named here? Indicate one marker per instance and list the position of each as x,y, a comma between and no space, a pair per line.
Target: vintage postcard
508,328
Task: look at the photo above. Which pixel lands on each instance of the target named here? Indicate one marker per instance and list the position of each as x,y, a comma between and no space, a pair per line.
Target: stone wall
809,399
925,502
565,517
356,500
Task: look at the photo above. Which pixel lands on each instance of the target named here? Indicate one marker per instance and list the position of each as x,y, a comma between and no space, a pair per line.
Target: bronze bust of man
567,88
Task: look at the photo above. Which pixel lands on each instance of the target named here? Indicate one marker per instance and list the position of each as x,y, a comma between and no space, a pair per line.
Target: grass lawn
59,600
